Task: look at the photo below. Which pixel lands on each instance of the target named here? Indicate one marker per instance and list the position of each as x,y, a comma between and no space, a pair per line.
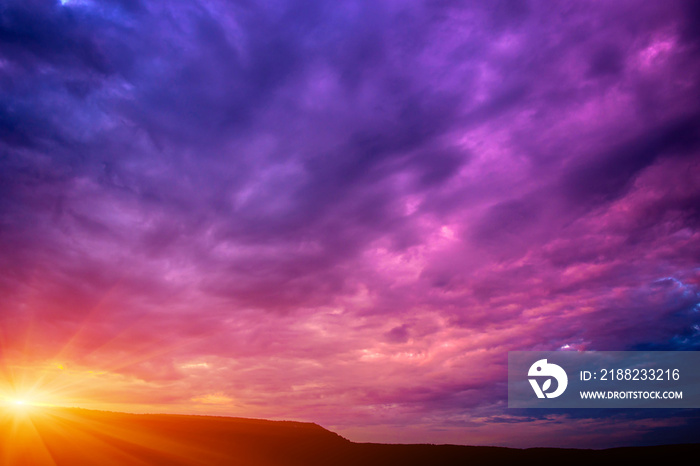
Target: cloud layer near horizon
346,212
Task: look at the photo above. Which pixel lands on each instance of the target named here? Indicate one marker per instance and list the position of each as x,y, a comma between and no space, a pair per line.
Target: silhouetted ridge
75,437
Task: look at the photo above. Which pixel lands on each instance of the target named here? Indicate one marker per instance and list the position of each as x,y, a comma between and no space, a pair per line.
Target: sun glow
20,407
20,400
20,404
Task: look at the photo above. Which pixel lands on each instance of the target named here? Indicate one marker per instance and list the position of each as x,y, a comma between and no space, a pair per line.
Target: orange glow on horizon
52,436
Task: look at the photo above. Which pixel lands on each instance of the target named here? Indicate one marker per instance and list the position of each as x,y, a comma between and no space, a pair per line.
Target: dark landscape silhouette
71,436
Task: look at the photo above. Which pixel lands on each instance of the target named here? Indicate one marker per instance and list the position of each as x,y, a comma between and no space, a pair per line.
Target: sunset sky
347,212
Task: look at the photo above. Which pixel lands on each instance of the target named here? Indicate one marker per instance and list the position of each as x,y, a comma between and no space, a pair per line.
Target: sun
23,396
20,404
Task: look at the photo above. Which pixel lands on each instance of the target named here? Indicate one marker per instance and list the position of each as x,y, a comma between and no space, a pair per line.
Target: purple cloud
346,212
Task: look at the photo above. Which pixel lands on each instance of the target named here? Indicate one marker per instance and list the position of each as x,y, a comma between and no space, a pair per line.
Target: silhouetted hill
78,437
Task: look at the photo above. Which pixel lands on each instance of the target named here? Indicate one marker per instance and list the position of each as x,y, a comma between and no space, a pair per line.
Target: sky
347,212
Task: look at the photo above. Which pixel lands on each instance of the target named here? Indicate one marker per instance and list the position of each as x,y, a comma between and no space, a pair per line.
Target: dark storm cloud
609,176
606,60
41,31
